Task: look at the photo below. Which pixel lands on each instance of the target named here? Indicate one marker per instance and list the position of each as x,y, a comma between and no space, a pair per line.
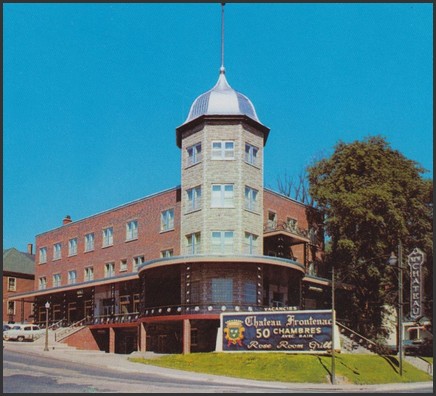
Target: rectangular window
167,253
57,251
251,199
12,284
291,224
89,274
223,150
42,255
249,292
123,265
251,154
131,230
222,242
250,243
72,277
109,270
194,199
89,242
42,283
272,220
11,307
56,280
222,290
72,247
137,261
193,243
222,196
108,238
194,154
167,220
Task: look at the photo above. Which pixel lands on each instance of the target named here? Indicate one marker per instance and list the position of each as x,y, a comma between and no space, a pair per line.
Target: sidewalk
121,363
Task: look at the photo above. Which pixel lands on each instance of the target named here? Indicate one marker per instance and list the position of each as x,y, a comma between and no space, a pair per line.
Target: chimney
67,219
29,248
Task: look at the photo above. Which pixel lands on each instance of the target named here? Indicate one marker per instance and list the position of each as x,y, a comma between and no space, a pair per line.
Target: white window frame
223,150
167,253
194,154
193,243
57,251
42,283
57,280
42,255
89,242
193,198
167,220
250,243
109,270
251,199
123,265
12,283
222,196
108,236
72,247
222,242
251,154
72,277
88,273
137,261
132,230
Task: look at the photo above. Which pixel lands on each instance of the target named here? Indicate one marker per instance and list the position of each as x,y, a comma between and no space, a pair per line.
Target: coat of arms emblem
234,332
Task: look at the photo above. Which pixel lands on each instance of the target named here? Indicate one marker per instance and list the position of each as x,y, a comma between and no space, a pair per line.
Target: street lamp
393,263
47,307
333,327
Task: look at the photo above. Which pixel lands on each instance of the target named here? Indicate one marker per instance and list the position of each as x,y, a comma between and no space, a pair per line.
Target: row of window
222,150
222,242
222,196
167,223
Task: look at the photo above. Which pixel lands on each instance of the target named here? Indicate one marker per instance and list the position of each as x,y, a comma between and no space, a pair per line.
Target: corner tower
222,143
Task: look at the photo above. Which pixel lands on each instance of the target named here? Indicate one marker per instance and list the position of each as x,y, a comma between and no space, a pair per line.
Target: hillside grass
350,368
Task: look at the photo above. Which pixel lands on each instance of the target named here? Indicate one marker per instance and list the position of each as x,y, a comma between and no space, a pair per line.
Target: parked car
23,332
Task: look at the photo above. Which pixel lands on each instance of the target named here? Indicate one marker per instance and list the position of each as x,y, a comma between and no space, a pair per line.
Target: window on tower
194,199
222,196
222,242
223,150
194,154
251,154
251,199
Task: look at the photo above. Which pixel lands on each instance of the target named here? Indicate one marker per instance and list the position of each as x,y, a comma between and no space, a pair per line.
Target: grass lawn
351,368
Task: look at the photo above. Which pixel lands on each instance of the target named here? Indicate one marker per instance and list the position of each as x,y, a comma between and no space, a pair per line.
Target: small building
18,277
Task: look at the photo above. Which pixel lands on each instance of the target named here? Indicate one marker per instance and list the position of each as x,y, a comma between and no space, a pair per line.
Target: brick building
18,277
156,273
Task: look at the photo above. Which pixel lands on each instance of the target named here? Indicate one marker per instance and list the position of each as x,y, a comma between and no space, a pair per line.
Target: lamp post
333,327
393,261
47,307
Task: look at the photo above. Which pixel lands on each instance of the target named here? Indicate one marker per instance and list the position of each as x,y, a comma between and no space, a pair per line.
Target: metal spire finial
222,68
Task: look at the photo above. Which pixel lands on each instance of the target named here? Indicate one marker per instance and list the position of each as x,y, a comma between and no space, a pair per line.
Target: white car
23,332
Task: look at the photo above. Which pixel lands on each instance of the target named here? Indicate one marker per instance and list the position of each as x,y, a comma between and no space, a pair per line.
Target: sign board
289,331
415,261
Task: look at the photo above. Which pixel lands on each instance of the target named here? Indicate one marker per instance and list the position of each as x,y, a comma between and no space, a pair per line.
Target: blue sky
93,93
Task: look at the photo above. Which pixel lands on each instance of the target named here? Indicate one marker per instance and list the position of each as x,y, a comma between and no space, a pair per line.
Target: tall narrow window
137,261
42,283
194,154
222,242
12,284
123,265
193,243
89,242
222,196
250,243
109,270
56,280
194,199
272,220
251,154
108,238
72,277
251,199
223,150
72,247
57,249
167,220
89,274
42,255
131,230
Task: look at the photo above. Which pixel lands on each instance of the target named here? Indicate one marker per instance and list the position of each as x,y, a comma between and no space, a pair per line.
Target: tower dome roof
222,99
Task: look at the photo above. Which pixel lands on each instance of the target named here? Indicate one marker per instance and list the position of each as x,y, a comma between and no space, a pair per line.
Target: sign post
415,261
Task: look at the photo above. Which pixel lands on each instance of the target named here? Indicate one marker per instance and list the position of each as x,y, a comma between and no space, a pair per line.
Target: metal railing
65,331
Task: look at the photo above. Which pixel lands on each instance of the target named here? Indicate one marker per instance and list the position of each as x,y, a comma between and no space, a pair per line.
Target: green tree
372,197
